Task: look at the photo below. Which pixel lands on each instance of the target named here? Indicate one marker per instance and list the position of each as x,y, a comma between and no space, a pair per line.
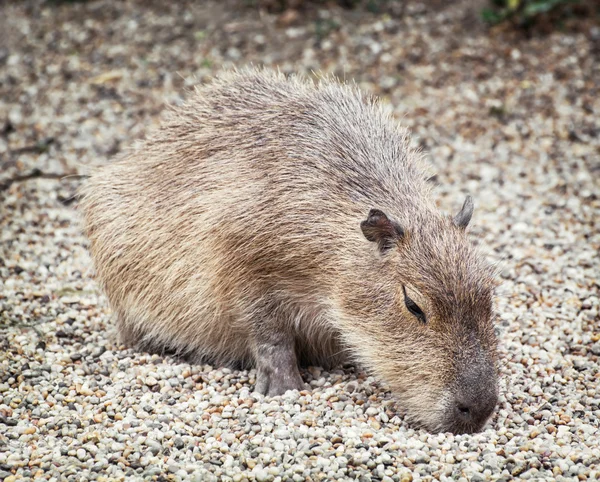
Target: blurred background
80,79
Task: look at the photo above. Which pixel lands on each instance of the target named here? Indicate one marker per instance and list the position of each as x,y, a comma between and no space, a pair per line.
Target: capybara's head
428,308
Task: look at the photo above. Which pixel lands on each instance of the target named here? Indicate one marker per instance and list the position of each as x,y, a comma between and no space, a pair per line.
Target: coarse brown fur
233,234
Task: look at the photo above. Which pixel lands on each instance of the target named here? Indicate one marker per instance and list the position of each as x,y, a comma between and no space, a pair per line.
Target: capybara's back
271,220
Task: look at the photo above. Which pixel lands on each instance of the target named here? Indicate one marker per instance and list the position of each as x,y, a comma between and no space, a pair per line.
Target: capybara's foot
277,370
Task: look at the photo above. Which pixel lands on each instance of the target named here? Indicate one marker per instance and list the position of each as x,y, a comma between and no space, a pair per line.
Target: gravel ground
510,119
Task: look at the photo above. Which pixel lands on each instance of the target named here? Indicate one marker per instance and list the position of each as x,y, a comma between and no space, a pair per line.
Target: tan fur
242,213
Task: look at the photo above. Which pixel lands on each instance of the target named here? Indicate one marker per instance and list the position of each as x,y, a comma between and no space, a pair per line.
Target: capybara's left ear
382,230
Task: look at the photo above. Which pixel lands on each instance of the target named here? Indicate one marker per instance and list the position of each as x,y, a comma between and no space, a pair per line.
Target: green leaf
491,16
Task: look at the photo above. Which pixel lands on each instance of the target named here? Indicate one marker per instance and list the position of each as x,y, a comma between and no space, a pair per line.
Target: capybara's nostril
464,414
464,410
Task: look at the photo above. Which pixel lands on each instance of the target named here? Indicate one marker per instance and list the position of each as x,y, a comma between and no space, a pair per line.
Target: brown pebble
288,18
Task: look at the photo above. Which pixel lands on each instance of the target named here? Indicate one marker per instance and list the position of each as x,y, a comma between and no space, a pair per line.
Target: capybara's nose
473,410
475,397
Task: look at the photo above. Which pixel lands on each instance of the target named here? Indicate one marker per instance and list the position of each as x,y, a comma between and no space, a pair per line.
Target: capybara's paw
276,381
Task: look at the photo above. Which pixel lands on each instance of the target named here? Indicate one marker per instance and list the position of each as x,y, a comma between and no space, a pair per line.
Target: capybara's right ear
382,230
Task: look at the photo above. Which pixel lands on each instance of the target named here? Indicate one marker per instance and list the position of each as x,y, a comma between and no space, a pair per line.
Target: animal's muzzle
474,398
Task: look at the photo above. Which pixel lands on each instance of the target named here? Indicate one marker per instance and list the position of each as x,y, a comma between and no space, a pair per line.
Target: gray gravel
512,120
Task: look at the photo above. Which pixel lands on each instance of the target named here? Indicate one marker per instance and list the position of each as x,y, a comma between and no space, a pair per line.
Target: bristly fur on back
241,218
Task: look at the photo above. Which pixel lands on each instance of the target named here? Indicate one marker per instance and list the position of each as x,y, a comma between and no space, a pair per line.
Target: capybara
273,221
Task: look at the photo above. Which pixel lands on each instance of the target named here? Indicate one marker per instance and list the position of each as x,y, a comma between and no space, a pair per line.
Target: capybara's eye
413,307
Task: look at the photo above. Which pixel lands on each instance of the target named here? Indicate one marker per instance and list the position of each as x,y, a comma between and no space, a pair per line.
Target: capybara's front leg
277,365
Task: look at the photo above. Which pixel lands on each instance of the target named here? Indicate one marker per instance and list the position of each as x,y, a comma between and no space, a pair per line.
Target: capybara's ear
380,229
464,215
